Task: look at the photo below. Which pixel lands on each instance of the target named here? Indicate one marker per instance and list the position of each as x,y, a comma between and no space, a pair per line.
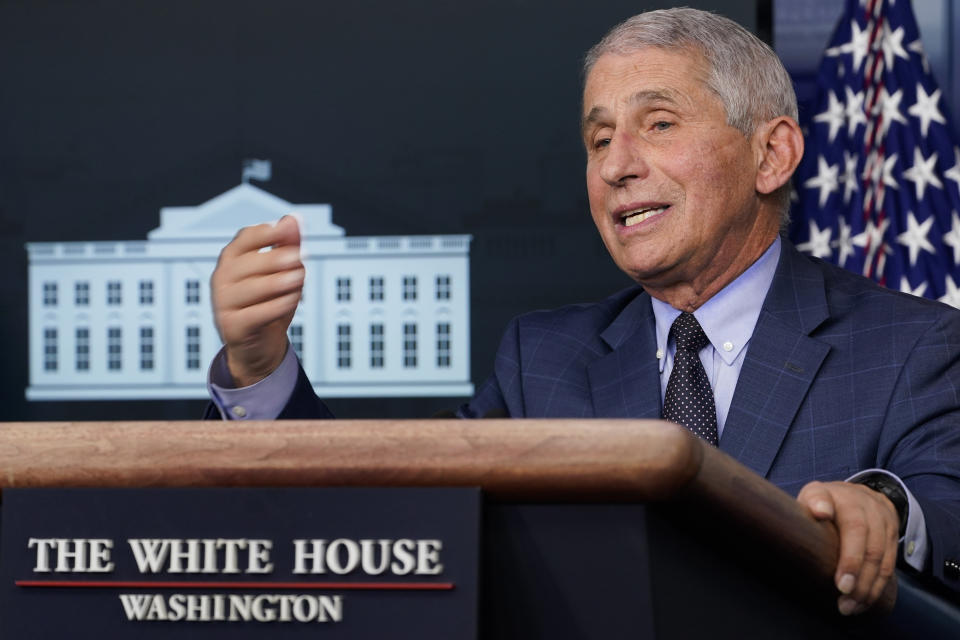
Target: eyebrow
598,113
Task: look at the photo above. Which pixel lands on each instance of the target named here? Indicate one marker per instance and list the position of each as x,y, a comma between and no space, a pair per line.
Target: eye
662,125
601,143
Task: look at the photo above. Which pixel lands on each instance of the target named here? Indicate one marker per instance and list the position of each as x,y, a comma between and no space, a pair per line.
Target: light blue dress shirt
728,319
263,400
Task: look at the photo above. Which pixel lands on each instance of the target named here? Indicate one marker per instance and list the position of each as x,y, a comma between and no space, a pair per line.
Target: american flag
878,186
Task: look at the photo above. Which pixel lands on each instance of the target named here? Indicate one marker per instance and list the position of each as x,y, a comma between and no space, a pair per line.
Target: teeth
636,217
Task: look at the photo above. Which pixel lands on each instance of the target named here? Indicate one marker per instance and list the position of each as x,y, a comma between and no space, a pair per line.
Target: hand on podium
868,526
255,289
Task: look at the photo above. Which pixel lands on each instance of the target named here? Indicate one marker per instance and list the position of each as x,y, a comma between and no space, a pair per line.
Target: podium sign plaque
343,563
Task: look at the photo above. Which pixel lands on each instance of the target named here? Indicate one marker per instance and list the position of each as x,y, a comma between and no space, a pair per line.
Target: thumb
815,497
288,230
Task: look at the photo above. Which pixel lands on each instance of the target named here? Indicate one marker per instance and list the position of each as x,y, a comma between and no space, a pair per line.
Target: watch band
889,487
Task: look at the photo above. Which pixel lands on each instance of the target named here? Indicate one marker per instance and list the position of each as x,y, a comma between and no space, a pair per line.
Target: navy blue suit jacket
840,375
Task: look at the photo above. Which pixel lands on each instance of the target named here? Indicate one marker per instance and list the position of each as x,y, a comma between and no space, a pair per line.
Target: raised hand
255,289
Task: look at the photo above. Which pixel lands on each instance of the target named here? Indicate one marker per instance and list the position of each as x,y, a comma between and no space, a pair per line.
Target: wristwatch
893,490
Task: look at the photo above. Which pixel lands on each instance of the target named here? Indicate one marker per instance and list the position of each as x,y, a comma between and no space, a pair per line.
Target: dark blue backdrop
414,117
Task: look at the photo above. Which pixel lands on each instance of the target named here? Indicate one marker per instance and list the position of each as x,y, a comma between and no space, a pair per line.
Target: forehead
677,75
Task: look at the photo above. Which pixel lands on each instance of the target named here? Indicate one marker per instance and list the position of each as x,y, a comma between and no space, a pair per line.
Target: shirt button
239,411
728,346
911,547
659,354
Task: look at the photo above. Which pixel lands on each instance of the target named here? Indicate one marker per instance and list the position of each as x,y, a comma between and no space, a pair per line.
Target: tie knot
688,334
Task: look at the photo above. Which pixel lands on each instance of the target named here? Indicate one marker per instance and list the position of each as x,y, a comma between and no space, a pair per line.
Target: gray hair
742,71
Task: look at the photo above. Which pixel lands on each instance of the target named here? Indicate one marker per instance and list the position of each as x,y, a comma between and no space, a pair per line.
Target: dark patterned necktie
689,398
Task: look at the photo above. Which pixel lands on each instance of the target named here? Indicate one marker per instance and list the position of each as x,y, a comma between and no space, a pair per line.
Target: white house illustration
380,316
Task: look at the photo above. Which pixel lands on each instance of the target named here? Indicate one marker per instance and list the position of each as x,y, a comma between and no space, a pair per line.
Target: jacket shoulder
595,316
851,293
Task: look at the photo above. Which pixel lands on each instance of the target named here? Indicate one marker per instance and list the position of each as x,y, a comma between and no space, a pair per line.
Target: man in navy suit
828,385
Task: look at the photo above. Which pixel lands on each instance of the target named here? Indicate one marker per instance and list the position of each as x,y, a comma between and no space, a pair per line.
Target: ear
779,145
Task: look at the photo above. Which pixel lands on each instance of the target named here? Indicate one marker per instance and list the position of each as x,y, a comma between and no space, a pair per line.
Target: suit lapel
625,383
781,363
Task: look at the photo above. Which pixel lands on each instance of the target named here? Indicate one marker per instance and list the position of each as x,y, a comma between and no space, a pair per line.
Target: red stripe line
382,586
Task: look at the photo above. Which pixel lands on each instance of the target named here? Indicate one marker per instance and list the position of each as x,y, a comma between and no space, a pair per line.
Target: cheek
716,174
596,194
593,178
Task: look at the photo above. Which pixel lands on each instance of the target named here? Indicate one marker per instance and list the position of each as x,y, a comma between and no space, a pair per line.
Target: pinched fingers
238,266
253,279
248,274
255,289
241,308
242,325
279,267
285,232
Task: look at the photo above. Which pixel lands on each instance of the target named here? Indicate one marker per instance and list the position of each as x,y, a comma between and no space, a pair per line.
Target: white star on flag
825,180
819,244
892,44
844,243
953,173
906,288
925,108
915,237
921,173
871,239
834,115
888,178
882,173
952,238
872,235
952,296
858,45
854,111
917,47
889,106
849,178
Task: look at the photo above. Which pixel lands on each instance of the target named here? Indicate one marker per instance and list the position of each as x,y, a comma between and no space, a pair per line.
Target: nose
623,160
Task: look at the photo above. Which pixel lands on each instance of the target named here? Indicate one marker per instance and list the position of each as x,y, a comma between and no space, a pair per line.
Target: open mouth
630,218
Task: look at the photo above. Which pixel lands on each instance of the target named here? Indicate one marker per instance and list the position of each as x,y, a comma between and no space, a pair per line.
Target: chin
636,273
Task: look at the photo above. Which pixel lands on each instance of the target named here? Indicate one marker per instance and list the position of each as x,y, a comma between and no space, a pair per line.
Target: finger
869,514
848,606
852,527
888,564
874,576
884,574
816,497
251,238
285,232
874,548
242,266
259,289
288,228
244,322
821,502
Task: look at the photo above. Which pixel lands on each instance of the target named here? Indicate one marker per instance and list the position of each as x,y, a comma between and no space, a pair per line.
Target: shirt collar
729,317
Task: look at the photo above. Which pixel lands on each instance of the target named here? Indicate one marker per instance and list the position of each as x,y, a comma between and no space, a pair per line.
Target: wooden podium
585,521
